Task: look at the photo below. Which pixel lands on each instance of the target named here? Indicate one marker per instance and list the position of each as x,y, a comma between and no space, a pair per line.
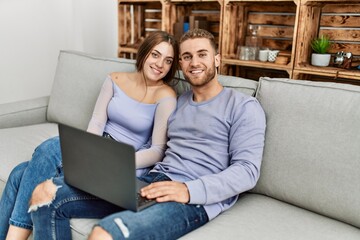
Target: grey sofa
309,184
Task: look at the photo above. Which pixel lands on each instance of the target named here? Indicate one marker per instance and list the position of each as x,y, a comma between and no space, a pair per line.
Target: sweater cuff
197,192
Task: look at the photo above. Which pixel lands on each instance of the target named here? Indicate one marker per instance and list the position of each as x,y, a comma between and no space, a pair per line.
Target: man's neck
206,92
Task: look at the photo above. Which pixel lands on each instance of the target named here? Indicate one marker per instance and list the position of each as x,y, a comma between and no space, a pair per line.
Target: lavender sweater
215,147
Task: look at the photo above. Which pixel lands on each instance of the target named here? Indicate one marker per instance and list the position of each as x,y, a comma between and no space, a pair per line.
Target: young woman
131,107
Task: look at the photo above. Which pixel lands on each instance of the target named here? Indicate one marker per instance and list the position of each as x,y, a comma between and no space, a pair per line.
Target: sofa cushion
77,84
243,85
256,217
22,113
311,156
18,144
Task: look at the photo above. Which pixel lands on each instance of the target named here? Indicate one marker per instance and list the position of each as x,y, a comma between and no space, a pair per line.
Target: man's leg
168,220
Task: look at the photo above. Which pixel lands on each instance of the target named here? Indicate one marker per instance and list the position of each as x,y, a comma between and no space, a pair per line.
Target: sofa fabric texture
308,187
312,157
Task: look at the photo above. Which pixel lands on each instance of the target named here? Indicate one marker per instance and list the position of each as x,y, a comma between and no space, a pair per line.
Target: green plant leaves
321,44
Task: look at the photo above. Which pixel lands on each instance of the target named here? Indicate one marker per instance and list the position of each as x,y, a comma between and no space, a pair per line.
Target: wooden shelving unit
340,20
285,25
211,10
136,20
276,22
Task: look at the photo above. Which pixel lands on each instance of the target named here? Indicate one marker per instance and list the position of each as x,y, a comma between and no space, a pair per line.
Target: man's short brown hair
199,33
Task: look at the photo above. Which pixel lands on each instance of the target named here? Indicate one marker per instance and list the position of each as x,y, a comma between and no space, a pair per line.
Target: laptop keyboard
142,200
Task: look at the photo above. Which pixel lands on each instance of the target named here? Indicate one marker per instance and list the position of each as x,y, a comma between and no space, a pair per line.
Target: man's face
198,61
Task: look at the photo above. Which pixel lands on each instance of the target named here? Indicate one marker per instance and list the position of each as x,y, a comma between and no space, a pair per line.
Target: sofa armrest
23,113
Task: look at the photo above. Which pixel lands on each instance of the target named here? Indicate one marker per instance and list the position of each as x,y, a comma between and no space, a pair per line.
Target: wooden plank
154,25
211,17
255,73
354,48
127,30
214,29
153,5
215,6
342,34
340,21
140,15
121,21
277,44
232,28
275,31
309,18
341,8
166,17
153,14
271,19
283,7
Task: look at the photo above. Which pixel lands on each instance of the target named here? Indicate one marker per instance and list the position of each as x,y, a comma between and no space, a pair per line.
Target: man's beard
209,75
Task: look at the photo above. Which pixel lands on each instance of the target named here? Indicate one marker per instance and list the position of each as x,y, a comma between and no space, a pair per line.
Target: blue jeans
168,220
14,204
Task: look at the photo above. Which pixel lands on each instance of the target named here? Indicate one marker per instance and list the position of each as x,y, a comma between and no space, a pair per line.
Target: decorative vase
321,60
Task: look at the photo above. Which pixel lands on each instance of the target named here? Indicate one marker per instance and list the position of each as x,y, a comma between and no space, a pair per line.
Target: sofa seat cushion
81,228
18,144
259,217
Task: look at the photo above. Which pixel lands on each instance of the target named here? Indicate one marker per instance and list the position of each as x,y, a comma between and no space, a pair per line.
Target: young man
216,140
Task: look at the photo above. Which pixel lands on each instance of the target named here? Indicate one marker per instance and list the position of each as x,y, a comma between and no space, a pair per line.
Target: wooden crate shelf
340,20
137,20
277,26
285,25
210,10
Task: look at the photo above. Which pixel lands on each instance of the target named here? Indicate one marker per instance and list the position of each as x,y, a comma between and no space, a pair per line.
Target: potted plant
320,46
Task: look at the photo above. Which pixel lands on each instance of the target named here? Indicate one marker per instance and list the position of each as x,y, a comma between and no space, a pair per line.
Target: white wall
33,31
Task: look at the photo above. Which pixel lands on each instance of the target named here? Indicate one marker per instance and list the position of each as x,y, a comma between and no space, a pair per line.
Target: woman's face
159,62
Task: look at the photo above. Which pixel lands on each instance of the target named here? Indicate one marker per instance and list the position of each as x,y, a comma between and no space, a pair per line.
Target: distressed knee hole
43,195
122,227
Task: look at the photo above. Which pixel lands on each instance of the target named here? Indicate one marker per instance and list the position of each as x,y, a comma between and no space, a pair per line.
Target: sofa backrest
77,84
311,156
79,77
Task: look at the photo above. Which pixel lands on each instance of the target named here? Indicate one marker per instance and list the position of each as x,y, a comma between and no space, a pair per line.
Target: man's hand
166,191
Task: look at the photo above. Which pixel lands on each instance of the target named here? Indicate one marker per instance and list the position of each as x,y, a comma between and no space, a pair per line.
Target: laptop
102,167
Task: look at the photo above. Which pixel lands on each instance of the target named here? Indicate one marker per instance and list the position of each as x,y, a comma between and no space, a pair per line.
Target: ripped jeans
14,204
168,220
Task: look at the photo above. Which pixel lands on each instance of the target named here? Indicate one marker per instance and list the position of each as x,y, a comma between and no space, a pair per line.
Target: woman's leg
8,197
55,203
44,164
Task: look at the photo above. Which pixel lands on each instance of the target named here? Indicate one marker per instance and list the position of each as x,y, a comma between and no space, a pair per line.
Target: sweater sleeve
246,142
99,117
149,156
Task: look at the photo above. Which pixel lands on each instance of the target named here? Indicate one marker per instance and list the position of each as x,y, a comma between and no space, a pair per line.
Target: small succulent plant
321,44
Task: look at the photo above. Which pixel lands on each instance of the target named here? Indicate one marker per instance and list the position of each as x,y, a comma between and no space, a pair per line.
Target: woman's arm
148,157
99,116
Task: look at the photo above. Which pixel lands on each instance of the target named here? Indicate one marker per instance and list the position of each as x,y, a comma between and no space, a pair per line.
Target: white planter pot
321,60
